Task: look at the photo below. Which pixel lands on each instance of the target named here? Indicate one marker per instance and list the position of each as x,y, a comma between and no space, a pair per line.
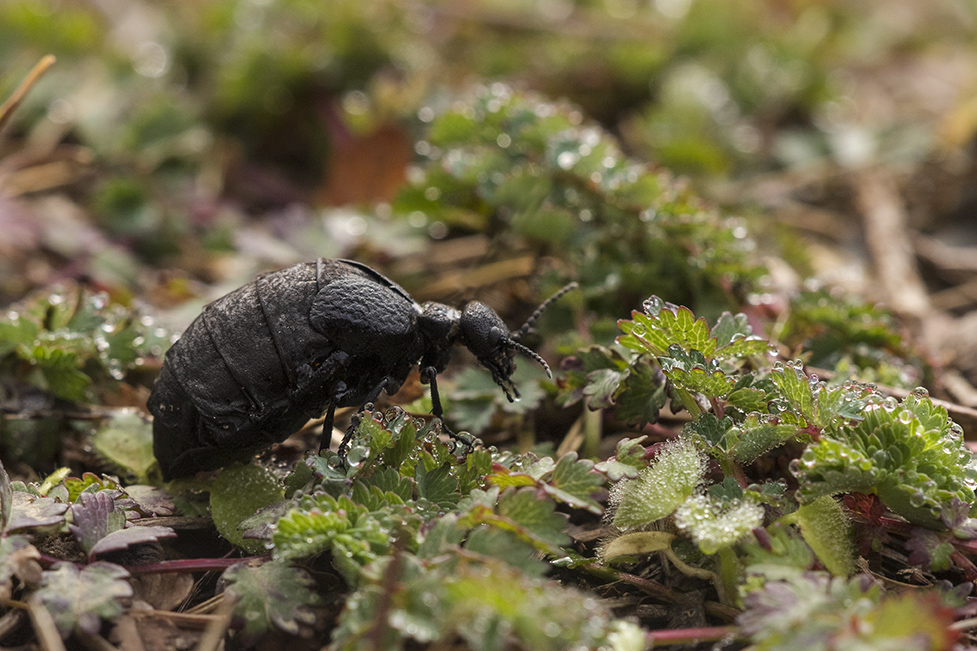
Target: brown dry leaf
367,168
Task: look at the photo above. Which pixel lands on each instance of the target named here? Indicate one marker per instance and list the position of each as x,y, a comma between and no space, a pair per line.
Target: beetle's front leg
370,397
429,375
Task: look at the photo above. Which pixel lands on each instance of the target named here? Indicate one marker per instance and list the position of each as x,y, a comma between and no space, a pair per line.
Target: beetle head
485,334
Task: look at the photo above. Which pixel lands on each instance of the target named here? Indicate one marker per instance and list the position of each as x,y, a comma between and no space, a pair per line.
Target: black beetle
259,362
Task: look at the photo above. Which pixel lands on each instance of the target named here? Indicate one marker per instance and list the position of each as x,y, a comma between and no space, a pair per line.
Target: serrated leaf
601,388
795,386
666,325
439,486
237,493
757,435
79,599
748,399
274,594
574,482
537,516
711,430
642,397
929,550
507,547
94,517
444,535
729,327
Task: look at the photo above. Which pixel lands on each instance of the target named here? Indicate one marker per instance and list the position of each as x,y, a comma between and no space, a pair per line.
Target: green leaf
826,528
126,439
660,488
439,486
759,434
628,459
237,493
795,386
538,517
716,524
574,482
273,594
642,397
729,328
666,325
910,454
602,387
79,599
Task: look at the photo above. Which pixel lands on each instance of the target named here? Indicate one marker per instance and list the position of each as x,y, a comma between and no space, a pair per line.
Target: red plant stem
172,567
690,635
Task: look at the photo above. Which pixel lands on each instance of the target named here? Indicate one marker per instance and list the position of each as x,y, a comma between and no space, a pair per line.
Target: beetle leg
429,375
370,397
327,426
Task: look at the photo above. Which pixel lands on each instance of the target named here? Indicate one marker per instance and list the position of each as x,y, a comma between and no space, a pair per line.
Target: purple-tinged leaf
93,518
100,526
29,511
133,535
956,516
929,550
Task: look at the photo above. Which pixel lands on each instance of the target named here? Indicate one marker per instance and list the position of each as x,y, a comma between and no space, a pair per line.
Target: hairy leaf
660,488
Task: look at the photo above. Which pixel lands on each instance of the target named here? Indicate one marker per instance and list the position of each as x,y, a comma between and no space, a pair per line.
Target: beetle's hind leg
327,425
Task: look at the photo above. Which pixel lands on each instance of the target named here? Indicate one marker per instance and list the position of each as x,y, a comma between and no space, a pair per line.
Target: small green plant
73,343
512,163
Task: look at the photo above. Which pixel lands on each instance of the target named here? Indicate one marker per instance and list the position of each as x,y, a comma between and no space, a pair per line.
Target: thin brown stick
44,628
8,107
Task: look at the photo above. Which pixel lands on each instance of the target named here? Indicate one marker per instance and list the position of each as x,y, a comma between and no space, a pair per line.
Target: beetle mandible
259,362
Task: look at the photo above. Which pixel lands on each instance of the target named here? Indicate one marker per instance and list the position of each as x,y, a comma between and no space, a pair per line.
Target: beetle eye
494,337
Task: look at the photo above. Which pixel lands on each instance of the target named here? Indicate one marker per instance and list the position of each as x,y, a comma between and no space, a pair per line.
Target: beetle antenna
516,336
529,352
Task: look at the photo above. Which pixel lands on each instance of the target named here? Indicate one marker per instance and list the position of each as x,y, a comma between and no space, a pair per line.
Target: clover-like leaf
628,459
536,517
273,594
81,598
574,482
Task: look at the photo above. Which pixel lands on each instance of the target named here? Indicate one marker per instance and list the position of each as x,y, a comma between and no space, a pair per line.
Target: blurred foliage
511,164
74,344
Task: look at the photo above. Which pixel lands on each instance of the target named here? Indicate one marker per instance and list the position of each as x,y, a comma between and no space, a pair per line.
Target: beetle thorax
439,326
